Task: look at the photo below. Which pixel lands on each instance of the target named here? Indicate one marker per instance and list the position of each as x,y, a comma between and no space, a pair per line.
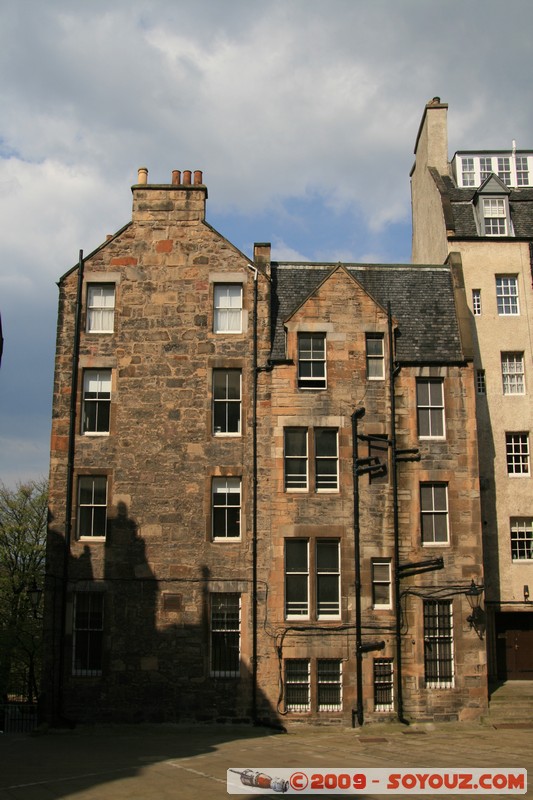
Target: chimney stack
142,175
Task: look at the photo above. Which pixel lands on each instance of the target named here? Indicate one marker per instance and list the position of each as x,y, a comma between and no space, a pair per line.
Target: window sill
95,434
91,539
226,539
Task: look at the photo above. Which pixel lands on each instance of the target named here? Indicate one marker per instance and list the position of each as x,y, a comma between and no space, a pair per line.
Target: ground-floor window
225,635
88,634
438,644
329,684
313,685
383,684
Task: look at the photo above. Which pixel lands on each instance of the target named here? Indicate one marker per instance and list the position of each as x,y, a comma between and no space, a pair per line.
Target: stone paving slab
178,763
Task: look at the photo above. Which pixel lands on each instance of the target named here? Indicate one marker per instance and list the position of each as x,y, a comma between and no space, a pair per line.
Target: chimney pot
187,177
142,175
176,177
198,180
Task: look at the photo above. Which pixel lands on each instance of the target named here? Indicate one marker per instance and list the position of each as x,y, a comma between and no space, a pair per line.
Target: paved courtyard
182,763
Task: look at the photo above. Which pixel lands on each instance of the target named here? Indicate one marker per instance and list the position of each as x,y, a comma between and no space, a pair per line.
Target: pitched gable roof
421,297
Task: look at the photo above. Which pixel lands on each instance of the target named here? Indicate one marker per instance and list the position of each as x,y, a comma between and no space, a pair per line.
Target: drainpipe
393,371
254,505
356,416
70,481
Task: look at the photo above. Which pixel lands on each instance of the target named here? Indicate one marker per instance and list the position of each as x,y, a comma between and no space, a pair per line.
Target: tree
23,520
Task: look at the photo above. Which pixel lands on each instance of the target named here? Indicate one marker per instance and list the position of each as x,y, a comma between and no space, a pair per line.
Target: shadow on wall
136,648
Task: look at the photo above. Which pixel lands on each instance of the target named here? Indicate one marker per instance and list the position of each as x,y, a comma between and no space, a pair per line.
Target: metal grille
225,635
329,685
297,685
18,717
438,644
383,684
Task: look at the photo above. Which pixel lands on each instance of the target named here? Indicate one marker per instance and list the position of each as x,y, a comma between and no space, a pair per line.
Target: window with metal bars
88,634
438,644
329,684
225,635
383,684
297,684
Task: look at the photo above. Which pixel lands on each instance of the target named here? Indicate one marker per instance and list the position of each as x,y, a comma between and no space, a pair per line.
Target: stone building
264,500
476,211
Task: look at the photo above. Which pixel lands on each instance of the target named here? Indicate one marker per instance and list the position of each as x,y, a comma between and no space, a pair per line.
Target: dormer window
494,216
468,174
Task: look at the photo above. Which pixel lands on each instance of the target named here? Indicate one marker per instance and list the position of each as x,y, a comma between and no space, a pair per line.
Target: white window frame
329,682
513,374
297,481
522,171
521,539
517,454
468,177
507,302
495,217
96,382
330,609
504,169
93,630
297,609
312,359
375,356
378,580
92,506
432,412
433,513
481,386
224,488
225,625
437,639
476,302
326,481
227,308
485,168
222,401
101,307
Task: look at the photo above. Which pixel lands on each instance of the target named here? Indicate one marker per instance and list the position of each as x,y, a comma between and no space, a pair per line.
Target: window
297,684
383,684
226,401
517,449
100,307
485,168
438,644
88,634
467,166
311,360
381,583
513,373
522,171
324,595
507,295
227,308
494,216
295,458
226,511
375,356
430,407
296,578
225,635
434,513
522,539
92,505
96,400
325,461
504,169
480,381
476,302
329,684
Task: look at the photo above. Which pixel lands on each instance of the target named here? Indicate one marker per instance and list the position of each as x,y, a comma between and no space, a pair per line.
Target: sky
302,115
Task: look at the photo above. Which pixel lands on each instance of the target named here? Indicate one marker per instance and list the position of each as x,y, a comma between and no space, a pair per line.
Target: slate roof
421,297
520,205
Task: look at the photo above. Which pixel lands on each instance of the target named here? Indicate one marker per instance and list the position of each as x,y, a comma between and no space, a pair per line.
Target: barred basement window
225,635
88,634
383,684
522,539
438,644
329,685
297,685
